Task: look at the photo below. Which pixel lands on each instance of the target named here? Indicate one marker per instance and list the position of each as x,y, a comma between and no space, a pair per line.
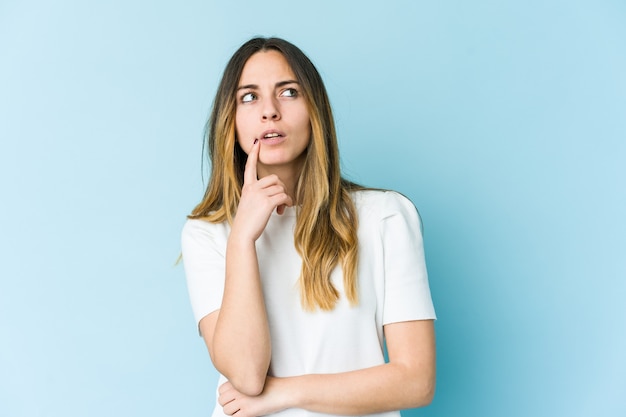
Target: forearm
389,387
407,381
241,347
373,390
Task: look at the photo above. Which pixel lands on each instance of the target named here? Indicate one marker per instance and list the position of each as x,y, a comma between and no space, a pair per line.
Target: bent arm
237,335
407,381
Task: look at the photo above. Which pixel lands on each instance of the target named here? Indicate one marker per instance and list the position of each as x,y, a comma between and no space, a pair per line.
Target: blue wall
505,122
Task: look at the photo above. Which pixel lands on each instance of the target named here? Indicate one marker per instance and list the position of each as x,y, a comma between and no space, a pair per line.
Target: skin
407,381
269,98
237,335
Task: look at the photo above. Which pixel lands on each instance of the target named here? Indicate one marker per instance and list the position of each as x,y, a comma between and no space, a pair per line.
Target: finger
224,387
273,185
225,398
281,202
230,409
272,190
250,175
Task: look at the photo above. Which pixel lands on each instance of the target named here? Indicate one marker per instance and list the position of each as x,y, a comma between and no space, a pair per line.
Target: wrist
240,242
287,390
296,395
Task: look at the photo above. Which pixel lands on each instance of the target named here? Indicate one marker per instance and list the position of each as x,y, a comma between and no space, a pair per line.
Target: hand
271,400
258,199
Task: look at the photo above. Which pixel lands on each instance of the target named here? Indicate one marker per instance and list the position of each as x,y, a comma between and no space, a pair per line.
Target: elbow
246,377
250,385
419,391
427,395
423,394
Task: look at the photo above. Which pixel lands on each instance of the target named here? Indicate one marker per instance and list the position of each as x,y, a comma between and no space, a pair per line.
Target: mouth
272,134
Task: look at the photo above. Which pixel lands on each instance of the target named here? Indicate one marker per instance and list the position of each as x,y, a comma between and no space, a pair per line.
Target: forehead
270,66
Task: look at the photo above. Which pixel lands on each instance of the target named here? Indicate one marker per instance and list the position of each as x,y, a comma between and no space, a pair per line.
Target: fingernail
255,141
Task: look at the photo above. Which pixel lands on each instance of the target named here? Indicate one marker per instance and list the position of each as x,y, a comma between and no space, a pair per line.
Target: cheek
240,124
304,121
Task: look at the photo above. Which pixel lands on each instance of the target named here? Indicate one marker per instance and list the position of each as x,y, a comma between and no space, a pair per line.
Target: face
271,108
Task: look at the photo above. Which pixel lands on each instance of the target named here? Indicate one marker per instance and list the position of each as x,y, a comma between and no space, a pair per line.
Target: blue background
505,123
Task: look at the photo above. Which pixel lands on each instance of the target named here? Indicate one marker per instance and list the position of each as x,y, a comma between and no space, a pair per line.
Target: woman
298,277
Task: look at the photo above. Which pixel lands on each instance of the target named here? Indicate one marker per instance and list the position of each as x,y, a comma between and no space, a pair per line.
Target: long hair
326,224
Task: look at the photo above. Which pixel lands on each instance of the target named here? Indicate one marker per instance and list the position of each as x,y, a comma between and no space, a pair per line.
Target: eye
248,97
289,92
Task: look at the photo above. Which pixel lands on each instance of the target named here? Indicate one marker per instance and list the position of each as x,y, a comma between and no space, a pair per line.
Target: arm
237,336
407,381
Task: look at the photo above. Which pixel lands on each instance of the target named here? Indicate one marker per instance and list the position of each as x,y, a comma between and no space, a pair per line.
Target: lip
270,131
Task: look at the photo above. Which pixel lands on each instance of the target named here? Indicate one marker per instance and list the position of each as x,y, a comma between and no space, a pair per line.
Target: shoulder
199,231
382,204
194,227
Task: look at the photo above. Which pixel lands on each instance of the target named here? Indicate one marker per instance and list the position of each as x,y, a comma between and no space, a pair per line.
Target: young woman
298,277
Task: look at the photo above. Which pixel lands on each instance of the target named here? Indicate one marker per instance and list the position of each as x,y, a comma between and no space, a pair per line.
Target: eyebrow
278,84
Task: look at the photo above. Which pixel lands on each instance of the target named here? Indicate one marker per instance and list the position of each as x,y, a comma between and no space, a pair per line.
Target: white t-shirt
392,287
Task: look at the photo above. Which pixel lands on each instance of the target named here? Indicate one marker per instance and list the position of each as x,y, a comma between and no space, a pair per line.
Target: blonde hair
326,225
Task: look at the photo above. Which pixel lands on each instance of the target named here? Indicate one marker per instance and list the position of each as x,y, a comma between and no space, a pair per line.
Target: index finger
249,174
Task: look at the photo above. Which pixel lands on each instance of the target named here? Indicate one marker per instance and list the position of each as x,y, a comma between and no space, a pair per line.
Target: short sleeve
203,250
407,292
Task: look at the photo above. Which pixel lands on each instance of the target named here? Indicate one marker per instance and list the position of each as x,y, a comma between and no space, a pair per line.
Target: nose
270,111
